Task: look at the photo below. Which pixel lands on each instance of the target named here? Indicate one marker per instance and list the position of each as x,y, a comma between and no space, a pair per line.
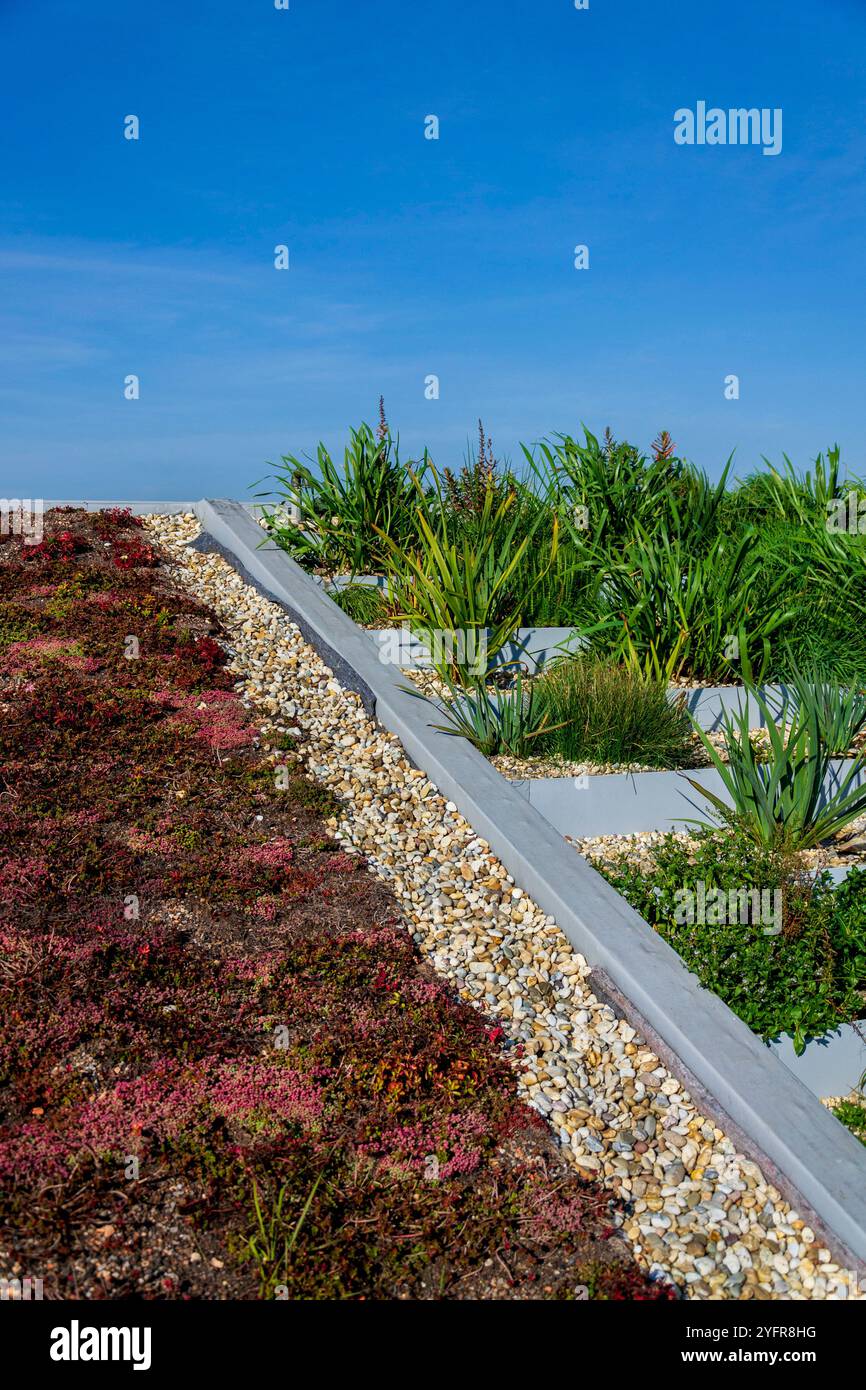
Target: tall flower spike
663,446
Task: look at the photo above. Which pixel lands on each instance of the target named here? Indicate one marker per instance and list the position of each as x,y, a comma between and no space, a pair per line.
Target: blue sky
412,257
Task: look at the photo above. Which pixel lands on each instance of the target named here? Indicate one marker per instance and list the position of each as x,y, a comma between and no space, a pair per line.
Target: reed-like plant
600,713
444,585
682,612
610,491
820,578
342,515
799,499
838,712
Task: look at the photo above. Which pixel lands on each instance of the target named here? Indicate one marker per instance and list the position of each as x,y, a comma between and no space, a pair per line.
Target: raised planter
536,646
708,705
624,803
761,1104
346,581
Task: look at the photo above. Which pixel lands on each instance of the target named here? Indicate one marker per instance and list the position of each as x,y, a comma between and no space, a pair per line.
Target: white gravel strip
702,1214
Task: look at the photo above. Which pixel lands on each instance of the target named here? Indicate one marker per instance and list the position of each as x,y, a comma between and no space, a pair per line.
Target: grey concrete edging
626,803
802,1147
829,1066
708,705
534,647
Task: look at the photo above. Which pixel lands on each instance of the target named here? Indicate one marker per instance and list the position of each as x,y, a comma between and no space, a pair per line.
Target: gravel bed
848,850
701,1213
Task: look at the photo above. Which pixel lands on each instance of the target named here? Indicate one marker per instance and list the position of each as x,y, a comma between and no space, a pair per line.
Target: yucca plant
782,800
611,482
505,721
465,492
839,712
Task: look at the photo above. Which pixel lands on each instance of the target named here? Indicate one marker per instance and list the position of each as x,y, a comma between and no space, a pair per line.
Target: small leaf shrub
804,981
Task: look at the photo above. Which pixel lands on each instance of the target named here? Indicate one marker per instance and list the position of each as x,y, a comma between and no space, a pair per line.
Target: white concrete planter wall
533,647
623,803
536,646
830,1066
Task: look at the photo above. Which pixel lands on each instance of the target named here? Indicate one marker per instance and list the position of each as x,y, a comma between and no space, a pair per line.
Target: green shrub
607,714
804,981
853,1116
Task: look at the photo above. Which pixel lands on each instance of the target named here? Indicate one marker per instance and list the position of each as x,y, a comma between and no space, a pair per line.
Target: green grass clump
364,604
606,713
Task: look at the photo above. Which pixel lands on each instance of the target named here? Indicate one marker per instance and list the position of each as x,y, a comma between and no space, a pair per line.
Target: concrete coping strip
817,1163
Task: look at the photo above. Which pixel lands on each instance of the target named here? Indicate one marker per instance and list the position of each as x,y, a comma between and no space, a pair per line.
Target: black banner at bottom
82,1340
